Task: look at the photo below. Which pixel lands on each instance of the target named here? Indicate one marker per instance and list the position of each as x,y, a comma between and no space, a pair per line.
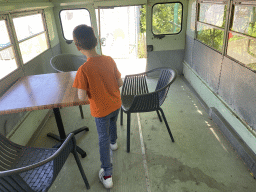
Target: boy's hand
120,82
82,95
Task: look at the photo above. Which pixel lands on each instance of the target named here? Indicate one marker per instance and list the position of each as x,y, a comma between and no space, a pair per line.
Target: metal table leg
62,133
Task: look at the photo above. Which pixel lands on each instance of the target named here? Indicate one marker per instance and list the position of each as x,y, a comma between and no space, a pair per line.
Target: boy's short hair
84,37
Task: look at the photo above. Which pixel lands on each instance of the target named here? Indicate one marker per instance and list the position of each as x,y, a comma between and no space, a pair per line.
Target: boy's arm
82,95
120,82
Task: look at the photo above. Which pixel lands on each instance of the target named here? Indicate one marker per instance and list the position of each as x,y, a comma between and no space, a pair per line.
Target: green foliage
252,66
224,17
143,19
252,29
212,37
252,25
166,18
142,50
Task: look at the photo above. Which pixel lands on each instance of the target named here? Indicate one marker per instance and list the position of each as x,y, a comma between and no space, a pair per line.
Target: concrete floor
200,160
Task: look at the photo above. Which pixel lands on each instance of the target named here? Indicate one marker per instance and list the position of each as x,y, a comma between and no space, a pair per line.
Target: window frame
23,14
240,3
181,28
211,25
8,17
228,25
67,40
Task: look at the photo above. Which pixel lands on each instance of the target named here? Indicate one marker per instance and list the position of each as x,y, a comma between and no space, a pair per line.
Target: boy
98,80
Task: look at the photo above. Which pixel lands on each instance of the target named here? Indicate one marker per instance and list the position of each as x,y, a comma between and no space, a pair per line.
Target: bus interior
210,107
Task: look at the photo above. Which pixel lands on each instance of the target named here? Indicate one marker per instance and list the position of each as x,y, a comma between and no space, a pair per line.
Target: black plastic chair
29,169
66,63
136,97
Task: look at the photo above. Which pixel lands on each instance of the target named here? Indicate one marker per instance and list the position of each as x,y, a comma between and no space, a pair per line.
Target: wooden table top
36,92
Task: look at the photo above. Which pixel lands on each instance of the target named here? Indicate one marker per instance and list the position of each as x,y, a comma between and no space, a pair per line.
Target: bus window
166,18
7,59
242,36
211,24
31,34
72,18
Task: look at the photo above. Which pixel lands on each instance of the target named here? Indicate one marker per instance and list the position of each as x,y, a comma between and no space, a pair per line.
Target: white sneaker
108,183
113,147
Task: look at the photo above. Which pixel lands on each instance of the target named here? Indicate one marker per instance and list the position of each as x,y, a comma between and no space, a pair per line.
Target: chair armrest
144,102
47,160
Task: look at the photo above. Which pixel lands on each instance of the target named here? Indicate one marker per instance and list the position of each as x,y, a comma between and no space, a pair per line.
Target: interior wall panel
238,88
207,63
235,84
171,59
41,64
188,50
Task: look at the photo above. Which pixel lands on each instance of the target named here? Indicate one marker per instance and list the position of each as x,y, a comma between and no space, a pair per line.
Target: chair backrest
10,153
135,85
135,96
67,62
28,169
167,76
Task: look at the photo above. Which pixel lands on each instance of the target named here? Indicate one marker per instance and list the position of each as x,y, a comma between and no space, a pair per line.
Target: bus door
166,30
122,37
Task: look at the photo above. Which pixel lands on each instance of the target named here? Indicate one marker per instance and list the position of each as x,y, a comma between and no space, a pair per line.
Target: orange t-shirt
98,77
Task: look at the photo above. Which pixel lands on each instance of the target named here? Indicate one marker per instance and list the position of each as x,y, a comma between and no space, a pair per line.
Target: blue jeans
106,127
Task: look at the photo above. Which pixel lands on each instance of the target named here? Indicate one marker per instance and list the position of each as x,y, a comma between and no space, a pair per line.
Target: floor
200,160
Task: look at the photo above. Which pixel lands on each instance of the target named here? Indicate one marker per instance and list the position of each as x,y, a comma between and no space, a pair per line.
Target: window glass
245,20
211,24
28,26
7,59
4,40
72,18
167,18
212,14
242,49
33,47
210,35
31,35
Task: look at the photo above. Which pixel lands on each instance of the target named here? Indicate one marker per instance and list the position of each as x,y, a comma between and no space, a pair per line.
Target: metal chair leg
159,116
128,131
78,162
121,118
170,133
81,152
81,111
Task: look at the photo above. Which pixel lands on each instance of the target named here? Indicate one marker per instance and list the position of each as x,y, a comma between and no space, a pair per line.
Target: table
45,91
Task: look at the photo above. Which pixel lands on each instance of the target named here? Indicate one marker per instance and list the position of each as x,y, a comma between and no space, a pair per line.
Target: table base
62,133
